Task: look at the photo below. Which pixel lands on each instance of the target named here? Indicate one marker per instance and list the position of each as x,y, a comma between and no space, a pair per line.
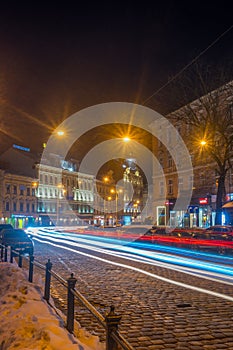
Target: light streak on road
214,277
185,265
180,284
168,249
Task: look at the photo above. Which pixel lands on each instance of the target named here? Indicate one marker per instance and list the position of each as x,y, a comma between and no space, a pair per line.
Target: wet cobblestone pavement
156,315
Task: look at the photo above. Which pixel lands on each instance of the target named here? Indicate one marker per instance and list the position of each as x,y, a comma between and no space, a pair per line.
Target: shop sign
193,209
229,197
213,198
203,201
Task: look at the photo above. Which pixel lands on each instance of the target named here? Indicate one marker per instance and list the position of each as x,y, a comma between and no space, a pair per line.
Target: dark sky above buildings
56,59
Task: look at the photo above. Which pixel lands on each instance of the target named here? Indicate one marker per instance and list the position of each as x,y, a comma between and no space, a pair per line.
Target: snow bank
28,322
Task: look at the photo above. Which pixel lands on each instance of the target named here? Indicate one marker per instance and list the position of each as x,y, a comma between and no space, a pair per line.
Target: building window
28,207
169,160
14,207
46,179
33,192
21,206
21,190
33,208
8,188
161,188
28,191
161,215
7,206
202,180
51,180
170,186
15,189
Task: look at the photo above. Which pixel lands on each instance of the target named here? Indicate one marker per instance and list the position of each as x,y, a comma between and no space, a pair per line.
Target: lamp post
116,192
59,192
136,204
104,211
35,198
109,198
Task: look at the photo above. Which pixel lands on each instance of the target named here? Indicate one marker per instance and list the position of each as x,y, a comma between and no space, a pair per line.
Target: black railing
110,322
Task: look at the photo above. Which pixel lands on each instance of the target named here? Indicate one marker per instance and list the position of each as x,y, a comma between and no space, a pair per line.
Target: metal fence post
30,275
20,261
11,255
5,252
112,321
47,280
70,304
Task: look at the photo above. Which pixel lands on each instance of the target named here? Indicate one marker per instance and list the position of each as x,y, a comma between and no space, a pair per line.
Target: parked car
220,229
18,240
5,226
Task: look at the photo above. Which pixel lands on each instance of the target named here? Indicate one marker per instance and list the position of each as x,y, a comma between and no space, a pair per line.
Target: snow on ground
27,322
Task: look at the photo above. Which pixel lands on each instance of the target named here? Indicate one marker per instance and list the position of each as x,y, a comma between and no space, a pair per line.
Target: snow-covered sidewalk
28,322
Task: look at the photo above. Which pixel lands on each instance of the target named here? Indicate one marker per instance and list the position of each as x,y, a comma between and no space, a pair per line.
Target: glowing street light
60,133
105,179
126,139
203,142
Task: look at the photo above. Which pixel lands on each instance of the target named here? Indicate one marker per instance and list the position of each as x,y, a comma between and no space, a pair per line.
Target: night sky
57,59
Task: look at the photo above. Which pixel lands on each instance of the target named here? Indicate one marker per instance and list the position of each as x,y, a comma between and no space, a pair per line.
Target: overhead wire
187,65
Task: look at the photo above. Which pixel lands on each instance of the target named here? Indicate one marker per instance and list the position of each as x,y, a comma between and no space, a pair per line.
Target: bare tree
210,121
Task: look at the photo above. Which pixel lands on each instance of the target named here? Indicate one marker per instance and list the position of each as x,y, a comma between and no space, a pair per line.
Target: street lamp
136,204
109,198
59,193
116,197
203,142
105,179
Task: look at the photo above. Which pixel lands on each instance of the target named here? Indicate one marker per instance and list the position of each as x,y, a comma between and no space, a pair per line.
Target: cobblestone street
155,314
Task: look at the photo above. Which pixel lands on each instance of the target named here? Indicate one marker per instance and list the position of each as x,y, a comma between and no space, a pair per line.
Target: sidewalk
27,322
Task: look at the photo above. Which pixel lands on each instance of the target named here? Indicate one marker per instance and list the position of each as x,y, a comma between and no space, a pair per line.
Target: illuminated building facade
18,202
203,184
65,196
133,194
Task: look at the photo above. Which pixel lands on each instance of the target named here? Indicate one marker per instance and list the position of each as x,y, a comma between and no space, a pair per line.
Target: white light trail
164,279
190,267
